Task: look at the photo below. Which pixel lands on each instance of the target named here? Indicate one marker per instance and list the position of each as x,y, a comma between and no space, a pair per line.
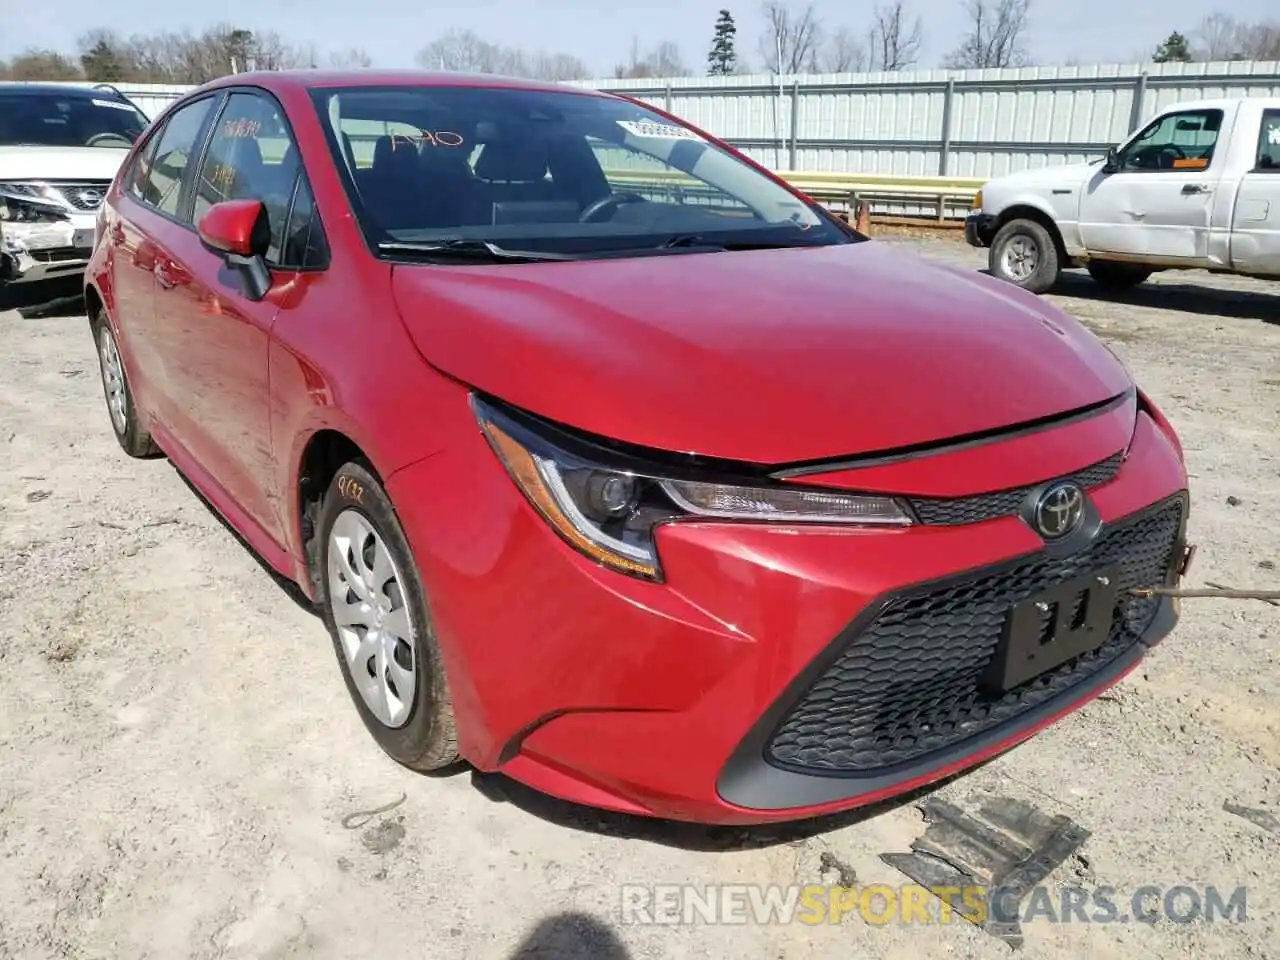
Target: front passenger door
226,335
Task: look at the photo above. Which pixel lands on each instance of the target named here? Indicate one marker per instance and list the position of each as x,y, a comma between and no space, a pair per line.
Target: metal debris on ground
1008,849
1259,818
1217,591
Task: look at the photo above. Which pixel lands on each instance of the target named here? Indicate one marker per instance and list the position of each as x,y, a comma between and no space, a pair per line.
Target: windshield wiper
697,240
471,249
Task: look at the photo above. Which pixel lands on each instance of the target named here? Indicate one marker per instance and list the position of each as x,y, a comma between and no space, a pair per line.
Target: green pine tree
1174,50
101,63
723,59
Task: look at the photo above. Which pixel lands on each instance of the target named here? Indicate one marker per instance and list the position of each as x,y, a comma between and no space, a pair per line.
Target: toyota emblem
1059,510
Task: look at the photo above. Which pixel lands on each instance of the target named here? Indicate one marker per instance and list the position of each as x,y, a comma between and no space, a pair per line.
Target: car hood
1064,173
60,163
769,356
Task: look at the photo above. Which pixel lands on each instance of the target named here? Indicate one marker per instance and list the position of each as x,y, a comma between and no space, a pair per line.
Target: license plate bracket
82,239
1052,627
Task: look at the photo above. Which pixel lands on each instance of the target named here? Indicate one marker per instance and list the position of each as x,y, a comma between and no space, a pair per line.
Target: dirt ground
182,775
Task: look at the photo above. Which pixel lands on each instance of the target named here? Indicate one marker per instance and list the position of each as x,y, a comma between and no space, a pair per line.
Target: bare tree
465,52
1218,38
895,40
664,60
269,51
350,59
169,57
36,64
996,38
1222,37
792,39
843,53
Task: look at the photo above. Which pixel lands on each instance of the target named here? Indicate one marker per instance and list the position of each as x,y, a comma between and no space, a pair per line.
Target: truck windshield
44,119
547,171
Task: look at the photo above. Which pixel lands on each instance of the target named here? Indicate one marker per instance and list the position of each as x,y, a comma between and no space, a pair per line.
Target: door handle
1193,188
161,271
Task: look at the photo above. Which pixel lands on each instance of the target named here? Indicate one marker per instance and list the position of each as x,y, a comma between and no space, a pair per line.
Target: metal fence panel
969,123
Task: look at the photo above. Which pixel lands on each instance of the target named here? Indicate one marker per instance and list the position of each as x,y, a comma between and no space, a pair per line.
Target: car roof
307,79
22,87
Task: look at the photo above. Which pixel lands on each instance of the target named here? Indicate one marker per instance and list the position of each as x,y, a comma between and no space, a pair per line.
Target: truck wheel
1118,276
1024,254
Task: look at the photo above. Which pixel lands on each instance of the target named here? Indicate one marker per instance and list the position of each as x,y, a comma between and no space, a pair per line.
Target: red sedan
612,462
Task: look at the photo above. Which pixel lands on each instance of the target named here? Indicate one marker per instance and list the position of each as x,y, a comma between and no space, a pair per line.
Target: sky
392,31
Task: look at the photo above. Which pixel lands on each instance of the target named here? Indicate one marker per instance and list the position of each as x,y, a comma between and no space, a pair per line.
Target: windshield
53,120
548,171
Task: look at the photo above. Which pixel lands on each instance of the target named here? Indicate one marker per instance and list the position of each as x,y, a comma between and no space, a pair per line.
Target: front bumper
679,699
33,252
979,229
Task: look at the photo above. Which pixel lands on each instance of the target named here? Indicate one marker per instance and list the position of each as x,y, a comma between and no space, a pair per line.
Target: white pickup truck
1196,188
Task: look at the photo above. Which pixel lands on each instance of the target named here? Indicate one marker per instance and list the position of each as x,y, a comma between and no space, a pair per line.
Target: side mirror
239,232
1112,163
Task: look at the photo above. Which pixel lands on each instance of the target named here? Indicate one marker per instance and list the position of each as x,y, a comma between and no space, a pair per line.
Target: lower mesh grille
909,683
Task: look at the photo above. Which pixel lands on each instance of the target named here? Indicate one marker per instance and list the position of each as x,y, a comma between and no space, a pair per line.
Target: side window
1177,141
177,142
1269,142
250,157
136,180
304,243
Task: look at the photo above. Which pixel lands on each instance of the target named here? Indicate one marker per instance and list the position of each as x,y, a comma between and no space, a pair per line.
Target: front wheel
1118,276
1024,254
374,606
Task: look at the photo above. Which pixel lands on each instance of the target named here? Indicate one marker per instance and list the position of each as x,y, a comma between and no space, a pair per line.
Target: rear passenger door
223,385
150,197
1255,223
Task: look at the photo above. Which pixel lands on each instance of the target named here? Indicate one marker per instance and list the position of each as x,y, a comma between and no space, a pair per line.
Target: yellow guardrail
940,195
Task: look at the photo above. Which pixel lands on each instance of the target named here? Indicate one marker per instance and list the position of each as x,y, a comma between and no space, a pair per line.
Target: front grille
1004,503
84,196
908,684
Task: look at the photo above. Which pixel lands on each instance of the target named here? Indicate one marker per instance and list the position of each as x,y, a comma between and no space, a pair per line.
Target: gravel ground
182,775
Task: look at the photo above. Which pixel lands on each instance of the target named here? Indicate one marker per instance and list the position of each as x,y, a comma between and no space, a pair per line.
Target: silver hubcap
1021,257
112,378
367,599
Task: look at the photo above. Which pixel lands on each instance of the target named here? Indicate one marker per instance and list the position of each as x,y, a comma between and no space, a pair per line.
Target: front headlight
608,506
19,203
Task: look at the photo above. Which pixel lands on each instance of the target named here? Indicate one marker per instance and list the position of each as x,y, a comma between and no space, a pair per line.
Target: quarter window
304,242
251,156
1176,141
1269,142
136,182
161,184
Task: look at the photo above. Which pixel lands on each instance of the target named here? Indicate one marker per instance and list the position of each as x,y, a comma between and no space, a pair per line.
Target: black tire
134,438
1025,243
426,739
1118,276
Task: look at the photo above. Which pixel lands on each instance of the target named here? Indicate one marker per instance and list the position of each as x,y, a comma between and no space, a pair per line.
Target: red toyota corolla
612,462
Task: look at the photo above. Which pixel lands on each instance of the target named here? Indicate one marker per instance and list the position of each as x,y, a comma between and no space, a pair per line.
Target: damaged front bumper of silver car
41,238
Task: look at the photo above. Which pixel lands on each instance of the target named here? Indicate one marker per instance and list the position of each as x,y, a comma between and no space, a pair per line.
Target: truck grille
1004,503
908,684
